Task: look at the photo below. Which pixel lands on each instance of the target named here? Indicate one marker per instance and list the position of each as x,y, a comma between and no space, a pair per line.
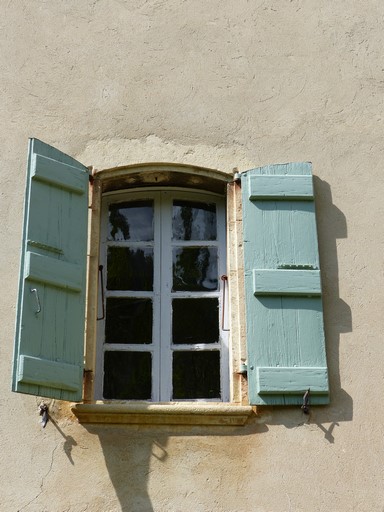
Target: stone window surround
235,412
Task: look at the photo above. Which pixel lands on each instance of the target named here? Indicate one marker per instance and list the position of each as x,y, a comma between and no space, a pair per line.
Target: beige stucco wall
220,84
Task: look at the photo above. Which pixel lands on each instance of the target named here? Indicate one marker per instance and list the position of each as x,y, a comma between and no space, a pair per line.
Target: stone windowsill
175,413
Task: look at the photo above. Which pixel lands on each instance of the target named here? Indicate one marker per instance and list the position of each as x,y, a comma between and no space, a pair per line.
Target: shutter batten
54,374
51,171
280,187
45,269
292,380
286,282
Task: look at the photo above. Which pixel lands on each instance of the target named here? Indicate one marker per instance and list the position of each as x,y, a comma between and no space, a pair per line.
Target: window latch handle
224,278
101,277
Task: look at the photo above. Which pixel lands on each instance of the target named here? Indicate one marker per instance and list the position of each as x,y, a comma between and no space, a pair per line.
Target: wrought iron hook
43,411
305,405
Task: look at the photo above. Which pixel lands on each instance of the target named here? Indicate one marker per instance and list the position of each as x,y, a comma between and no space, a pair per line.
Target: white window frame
161,295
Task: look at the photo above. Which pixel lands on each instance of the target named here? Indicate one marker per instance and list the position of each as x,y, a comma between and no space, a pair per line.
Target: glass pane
131,221
128,320
195,269
196,375
193,221
130,269
195,320
127,375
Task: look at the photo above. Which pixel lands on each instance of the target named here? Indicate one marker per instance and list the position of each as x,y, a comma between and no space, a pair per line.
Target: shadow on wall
331,225
133,452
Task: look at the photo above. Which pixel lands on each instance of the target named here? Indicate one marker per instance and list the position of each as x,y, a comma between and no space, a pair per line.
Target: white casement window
161,333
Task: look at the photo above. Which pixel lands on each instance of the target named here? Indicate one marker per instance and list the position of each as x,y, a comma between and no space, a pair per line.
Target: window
161,338
162,254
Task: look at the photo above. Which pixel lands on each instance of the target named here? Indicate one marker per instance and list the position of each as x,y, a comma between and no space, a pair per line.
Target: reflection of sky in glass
193,221
131,221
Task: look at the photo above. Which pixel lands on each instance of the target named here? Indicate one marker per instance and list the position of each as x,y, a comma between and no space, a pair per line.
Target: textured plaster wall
220,84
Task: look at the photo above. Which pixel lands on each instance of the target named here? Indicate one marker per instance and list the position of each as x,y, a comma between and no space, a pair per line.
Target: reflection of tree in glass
186,216
194,221
190,269
118,222
130,269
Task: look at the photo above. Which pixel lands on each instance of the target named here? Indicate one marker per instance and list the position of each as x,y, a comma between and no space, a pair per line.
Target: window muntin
163,252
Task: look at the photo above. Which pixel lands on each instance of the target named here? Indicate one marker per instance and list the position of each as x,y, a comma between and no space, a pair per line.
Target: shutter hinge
236,175
87,384
91,170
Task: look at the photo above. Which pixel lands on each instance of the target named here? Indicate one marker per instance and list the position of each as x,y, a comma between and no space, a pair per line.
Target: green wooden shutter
285,335
49,344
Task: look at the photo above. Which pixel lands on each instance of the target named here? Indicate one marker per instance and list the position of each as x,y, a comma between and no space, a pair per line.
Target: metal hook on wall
305,405
43,411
